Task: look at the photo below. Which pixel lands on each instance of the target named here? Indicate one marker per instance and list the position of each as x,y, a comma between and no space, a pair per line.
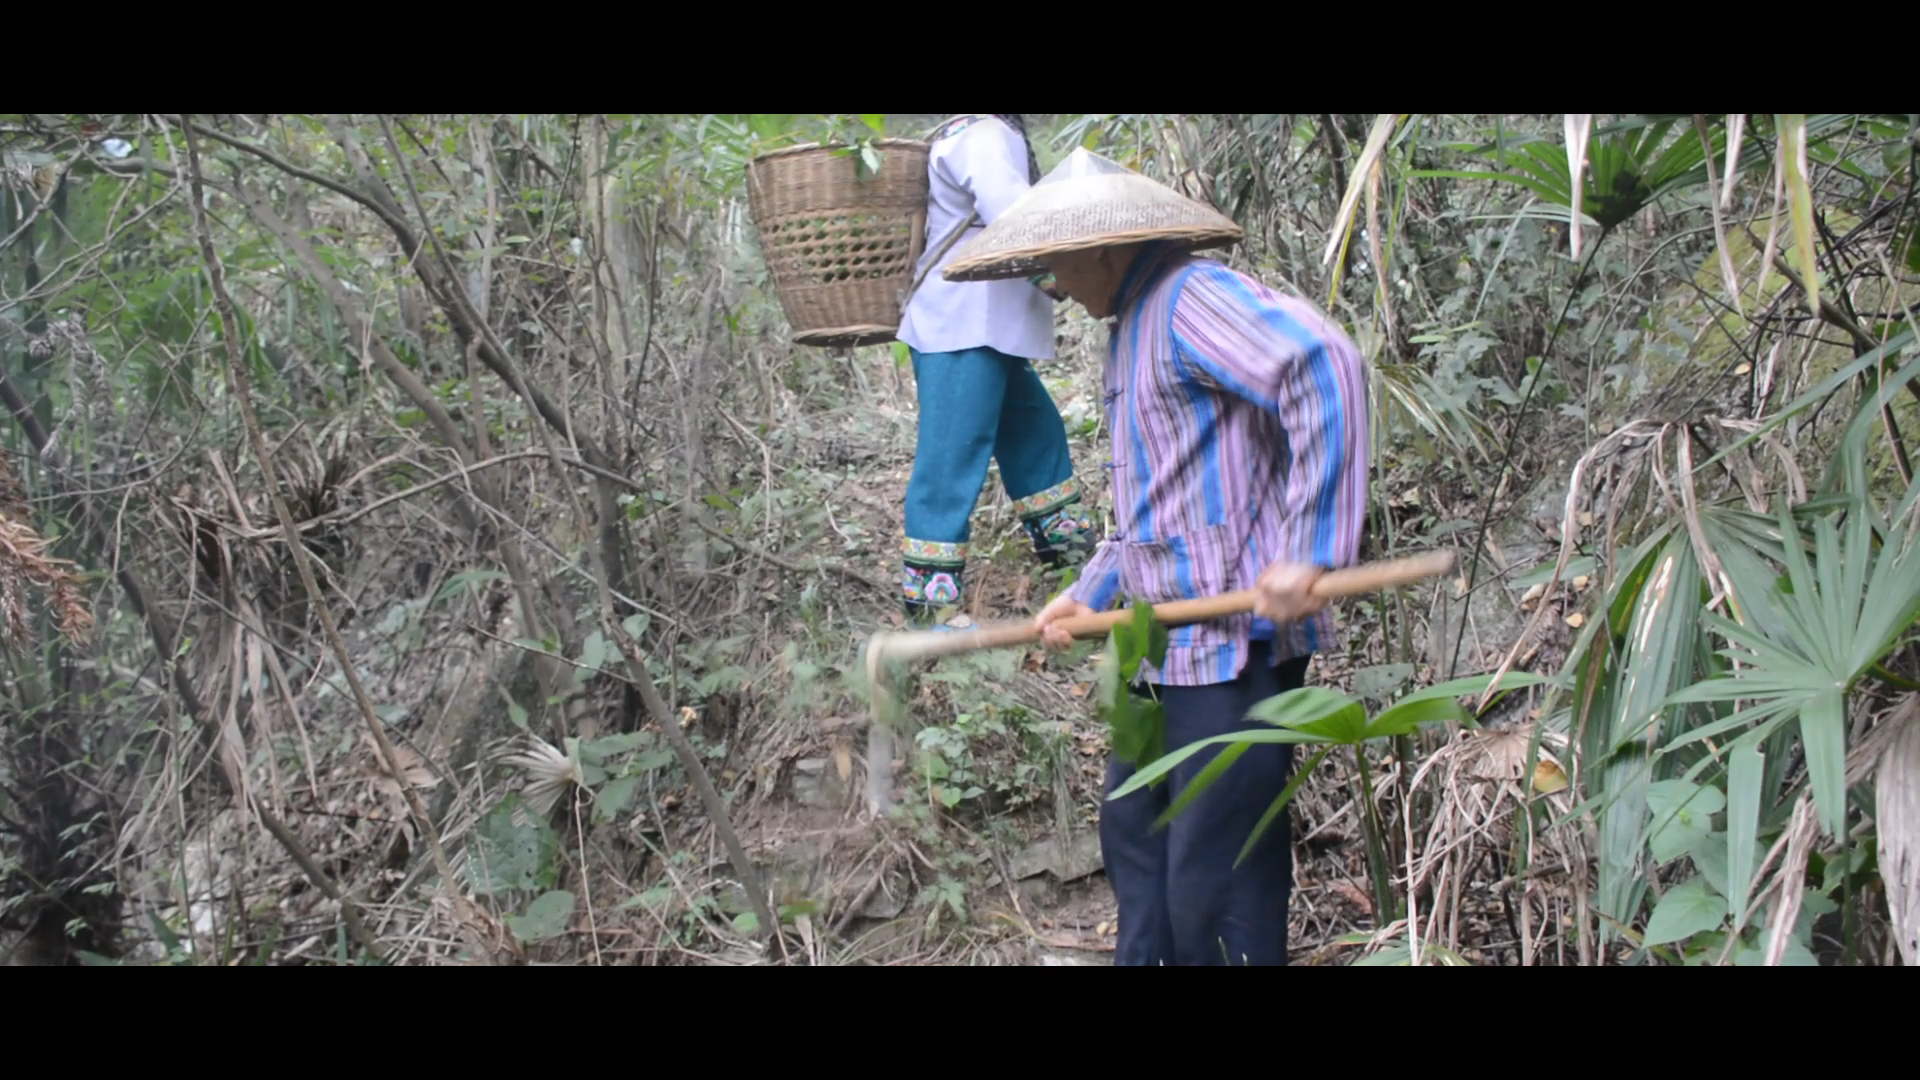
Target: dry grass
26,568
759,492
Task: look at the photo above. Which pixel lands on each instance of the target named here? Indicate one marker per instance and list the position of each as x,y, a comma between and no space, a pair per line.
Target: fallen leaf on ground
1348,891
1548,778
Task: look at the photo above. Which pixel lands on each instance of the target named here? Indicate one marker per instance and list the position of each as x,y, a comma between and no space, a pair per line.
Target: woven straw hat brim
1087,212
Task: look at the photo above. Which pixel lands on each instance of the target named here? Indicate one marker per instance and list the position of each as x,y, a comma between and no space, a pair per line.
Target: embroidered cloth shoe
931,594
1062,537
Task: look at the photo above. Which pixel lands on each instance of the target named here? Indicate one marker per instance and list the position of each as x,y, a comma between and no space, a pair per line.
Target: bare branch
243,396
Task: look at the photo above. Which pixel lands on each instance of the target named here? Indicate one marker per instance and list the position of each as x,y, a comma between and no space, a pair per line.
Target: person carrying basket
980,400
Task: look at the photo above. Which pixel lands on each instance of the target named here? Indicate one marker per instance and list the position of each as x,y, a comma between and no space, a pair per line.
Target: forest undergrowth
565,665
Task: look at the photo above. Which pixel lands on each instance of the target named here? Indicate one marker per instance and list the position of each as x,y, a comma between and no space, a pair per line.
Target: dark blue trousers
1182,901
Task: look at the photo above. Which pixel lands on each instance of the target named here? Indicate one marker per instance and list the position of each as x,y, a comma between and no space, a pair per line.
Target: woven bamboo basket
841,248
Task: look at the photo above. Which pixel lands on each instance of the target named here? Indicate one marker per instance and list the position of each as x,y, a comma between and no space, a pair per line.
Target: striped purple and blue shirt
1238,418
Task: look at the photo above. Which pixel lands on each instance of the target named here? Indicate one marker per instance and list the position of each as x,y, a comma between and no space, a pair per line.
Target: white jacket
982,166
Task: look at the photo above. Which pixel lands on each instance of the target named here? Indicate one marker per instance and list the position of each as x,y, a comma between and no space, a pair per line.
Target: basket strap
951,123
942,131
938,253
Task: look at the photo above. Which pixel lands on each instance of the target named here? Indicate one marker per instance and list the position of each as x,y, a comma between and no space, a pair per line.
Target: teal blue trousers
977,407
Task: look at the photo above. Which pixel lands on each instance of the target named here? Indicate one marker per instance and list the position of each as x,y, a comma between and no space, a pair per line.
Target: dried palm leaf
1793,166
1579,133
1363,173
549,772
23,562
1897,819
1716,201
1500,756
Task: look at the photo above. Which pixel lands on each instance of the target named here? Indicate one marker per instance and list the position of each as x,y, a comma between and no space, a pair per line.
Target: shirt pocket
1202,562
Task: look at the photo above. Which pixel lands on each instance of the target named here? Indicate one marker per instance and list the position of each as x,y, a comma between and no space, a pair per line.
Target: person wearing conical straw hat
973,347
1238,417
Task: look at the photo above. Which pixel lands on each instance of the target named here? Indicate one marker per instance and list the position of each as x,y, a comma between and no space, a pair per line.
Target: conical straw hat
1087,201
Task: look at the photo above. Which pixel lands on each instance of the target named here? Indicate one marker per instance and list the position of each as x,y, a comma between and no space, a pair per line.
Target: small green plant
953,865
995,749
691,916
860,144
1136,723
1690,920
517,853
945,893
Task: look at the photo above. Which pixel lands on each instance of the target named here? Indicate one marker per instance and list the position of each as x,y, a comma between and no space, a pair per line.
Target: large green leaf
1326,713
1165,764
1687,909
1312,715
1203,780
1135,726
1754,599
1410,716
1280,802
1803,641
1745,776
613,798
1712,857
546,917
1820,128
1682,816
1793,163
1657,657
515,849
1346,726
1476,684
1628,165
1800,610
1891,595
1823,734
